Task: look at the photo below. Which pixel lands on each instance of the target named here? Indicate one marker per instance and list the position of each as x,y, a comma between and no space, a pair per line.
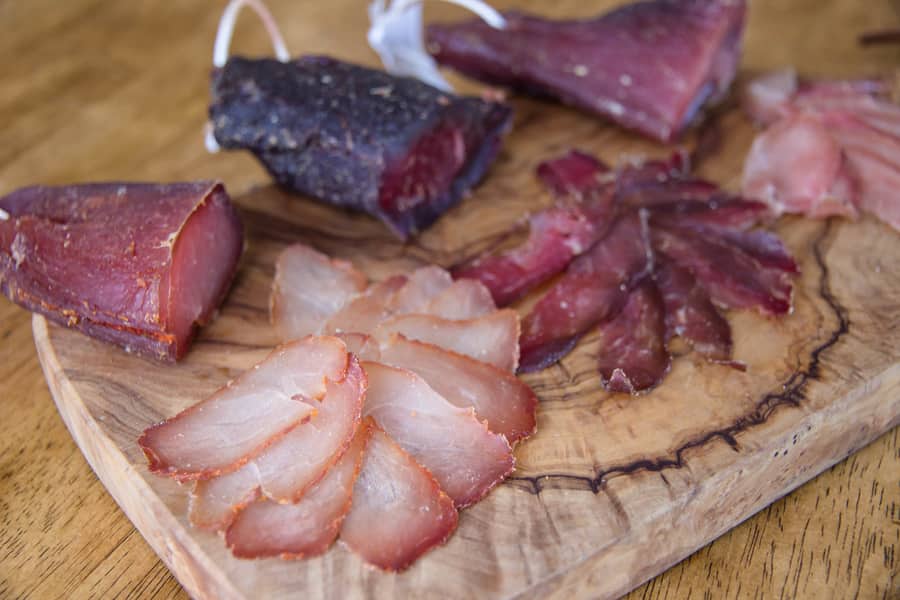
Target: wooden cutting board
612,489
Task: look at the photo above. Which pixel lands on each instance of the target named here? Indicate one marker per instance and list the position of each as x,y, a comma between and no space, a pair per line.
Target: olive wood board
613,489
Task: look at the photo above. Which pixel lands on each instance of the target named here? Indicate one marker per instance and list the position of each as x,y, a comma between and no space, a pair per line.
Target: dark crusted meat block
393,147
134,264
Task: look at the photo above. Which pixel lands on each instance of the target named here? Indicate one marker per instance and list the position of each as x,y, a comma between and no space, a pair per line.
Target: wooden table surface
94,90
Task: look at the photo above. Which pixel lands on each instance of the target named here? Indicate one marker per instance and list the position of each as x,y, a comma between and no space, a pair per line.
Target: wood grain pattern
142,122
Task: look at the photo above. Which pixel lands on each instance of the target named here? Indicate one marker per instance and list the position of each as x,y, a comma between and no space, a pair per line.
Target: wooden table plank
101,90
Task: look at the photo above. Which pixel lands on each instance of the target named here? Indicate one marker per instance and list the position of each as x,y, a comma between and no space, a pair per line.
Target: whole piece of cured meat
356,137
648,66
139,265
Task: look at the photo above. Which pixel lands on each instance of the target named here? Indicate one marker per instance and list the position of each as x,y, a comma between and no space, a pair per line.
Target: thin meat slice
138,265
240,420
649,66
365,312
422,285
732,277
574,174
498,397
721,212
765,247
466,459
463,299
633,356
690,314
307,528
493,339
287,469
592,290
398,510
308,288
797,166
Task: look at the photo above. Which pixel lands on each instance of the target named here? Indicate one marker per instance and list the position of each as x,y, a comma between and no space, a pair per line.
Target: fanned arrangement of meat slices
830,147
389,407
642,253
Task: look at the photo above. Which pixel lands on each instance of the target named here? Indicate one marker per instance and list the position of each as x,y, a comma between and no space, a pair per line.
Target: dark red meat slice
690,314
135,264
649,66
633,355
592,290
573,174
732,277
348,135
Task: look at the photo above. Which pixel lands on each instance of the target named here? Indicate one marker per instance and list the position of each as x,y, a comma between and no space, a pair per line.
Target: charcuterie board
612,489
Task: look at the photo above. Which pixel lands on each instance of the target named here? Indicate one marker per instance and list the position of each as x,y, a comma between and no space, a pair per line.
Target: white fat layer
226,31
395,34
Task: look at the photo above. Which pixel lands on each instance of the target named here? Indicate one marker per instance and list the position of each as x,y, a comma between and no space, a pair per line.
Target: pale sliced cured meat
398,510
365,312
464,299
463,455
797,166
690,314
214,436
649,66
422,285
493,339
498,397
593,289
308,288
307,528
633,355
287,469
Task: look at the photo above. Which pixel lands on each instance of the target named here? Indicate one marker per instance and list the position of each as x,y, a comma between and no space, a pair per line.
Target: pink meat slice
240,420
498,396
139,265
365,312
493,339
463,299
593,289
287,469
308,288
690,314
422,285
797,166
633,356
308,527
466,459
398,510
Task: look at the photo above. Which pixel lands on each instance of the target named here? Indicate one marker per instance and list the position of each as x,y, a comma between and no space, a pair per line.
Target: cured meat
572,175
648,66
464,299
364,313
498,397
351,136
422,285
213,436
633,355
466,459
398,511
308,288
308,527
493,339
287,469
690,314
592,290
732,277
138,265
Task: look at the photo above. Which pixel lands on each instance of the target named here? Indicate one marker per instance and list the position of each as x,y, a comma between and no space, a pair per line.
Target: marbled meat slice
365,312
421,286
398,510
633,356
574,174
356,137
649,66
139,265
308,527
464,299
733,278
690,314
308,288
288,468
593,289
463,455
498,397
493,339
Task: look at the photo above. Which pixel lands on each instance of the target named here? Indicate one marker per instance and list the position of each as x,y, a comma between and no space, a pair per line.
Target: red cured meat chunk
135,264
